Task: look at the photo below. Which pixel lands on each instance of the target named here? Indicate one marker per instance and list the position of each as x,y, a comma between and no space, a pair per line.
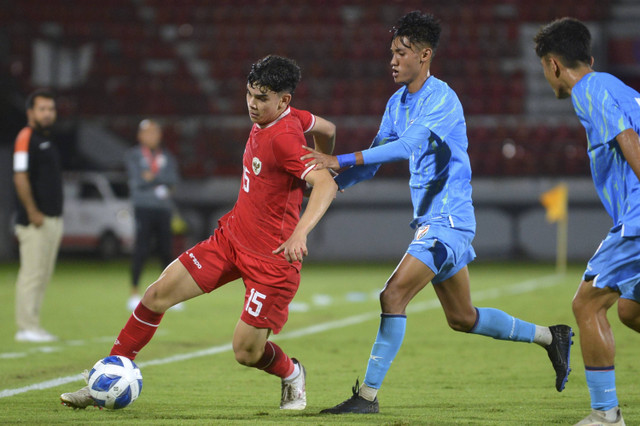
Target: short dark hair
568,38
38,93
275,73
418,28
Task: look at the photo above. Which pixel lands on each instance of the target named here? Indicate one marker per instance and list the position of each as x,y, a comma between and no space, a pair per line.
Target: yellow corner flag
555,202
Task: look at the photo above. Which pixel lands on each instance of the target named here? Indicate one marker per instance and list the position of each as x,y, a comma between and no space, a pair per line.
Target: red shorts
269,286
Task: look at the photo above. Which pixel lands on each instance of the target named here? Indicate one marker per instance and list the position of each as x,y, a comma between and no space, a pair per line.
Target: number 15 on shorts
254,304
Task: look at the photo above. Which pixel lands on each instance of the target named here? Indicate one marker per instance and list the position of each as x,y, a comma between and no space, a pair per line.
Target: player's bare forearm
323,192
629,142
324,135
25,195
324,144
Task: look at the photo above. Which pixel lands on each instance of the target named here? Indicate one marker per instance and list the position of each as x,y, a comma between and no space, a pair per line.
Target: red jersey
270,196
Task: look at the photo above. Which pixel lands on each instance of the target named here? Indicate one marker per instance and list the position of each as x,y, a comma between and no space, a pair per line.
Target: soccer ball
115,382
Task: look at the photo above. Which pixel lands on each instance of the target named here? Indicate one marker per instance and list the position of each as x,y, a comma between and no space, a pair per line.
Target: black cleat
560,353
355,404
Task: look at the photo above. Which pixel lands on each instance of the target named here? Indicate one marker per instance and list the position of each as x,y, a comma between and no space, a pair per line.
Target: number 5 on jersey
254,304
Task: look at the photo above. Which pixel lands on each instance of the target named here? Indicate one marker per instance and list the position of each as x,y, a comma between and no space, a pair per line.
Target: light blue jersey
429,129
606,107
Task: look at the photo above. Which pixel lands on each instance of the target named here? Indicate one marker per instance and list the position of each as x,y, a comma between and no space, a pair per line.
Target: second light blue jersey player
427,128
606,107
610,113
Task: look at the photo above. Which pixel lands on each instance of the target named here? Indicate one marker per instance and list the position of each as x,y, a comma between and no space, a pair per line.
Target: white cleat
294,393
611,417
79,399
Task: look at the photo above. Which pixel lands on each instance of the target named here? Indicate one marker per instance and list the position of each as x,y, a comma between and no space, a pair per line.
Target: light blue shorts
445,250
616,264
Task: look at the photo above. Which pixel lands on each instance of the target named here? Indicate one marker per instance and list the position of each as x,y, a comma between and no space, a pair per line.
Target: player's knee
247,357
153,300
461,321
579,307
626,319
629,316
390,301
243,358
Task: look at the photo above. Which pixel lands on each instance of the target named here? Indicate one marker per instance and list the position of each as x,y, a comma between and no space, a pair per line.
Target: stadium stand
185,63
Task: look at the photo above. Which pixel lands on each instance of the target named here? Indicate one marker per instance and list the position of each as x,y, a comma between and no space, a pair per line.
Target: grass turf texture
439,377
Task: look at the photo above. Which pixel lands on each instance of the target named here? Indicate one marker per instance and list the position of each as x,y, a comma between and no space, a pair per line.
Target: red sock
275,361
140,328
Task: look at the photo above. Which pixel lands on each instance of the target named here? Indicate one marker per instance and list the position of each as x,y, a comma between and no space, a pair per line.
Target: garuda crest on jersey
257,165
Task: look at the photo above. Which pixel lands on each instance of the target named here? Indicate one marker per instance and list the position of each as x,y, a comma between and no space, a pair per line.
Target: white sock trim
144,322
542,336
296,372
367,392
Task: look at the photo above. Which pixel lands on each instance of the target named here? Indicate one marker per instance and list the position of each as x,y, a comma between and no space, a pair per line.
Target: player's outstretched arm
324,135
629,142
400,149
322,194
323,161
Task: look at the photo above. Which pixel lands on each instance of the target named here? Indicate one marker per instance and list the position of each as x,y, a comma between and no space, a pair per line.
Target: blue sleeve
597,104
605,115
411,140
443,116
611,119
384,150
355,174
386,135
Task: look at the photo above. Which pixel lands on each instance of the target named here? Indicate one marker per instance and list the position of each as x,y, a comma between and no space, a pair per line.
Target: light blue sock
500,325
385,348
602,387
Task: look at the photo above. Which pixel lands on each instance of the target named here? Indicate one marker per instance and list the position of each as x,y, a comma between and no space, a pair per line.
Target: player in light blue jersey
424,122
610,112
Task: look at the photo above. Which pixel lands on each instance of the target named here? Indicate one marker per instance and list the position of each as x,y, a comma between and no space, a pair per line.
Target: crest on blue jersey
421,232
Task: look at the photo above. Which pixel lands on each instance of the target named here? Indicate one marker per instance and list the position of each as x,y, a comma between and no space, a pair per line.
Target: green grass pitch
439,377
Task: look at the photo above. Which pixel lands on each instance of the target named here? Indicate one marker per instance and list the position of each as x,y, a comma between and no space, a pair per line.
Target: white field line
63,345
58,348
519,288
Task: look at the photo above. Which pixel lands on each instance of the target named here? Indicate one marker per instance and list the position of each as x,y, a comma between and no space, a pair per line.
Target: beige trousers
38,252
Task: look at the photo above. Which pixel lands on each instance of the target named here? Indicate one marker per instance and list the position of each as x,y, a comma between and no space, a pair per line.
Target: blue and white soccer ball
115,382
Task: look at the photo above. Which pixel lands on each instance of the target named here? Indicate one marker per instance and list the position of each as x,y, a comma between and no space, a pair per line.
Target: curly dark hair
568,38
419,29
275,73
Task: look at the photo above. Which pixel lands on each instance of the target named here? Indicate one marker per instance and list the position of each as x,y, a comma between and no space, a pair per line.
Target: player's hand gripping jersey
271,191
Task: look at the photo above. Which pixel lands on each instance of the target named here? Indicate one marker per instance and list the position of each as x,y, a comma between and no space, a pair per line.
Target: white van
97,214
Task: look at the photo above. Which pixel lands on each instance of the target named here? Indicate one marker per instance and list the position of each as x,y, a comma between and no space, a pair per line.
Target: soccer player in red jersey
261,240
